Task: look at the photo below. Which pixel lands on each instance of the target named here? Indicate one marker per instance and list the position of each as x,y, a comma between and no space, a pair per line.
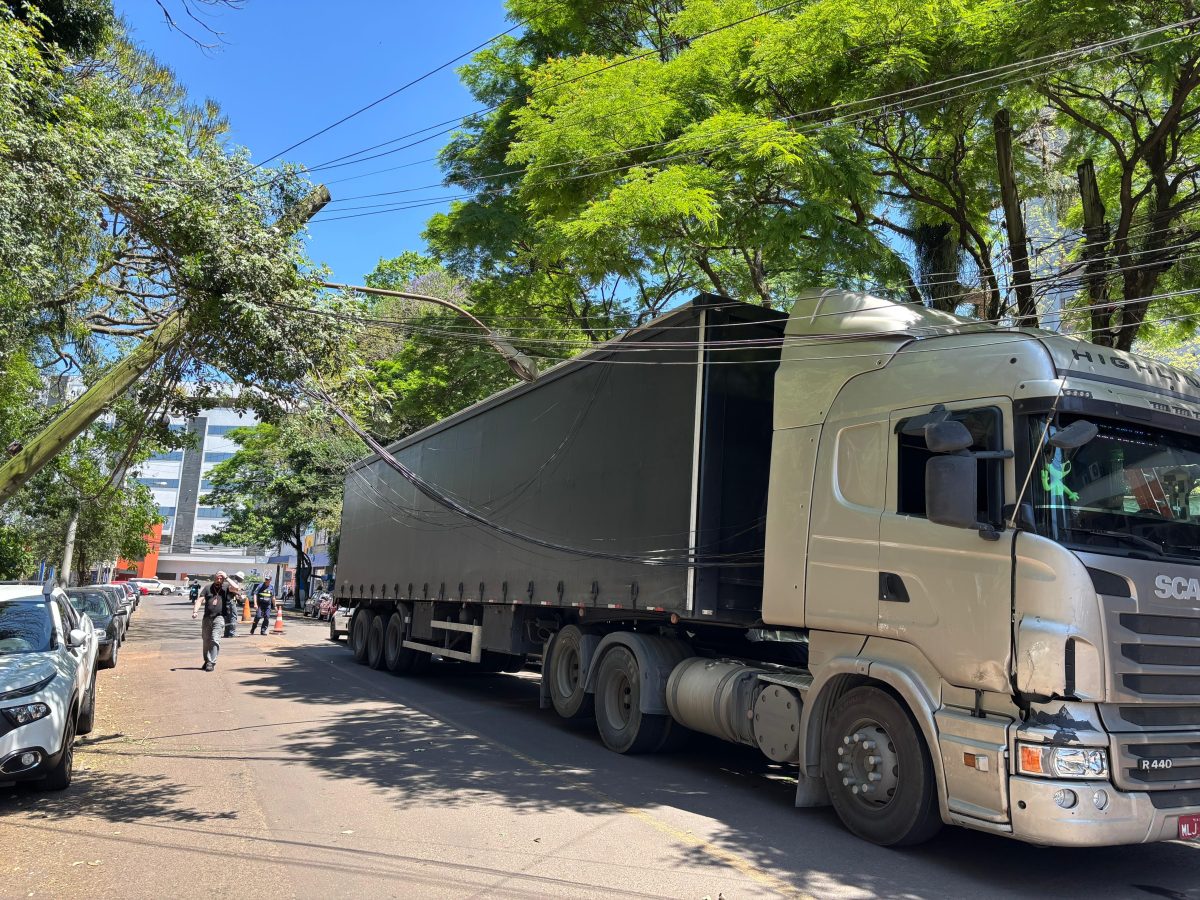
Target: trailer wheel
399,659
360,627
565,676
878,771
375,637
623,726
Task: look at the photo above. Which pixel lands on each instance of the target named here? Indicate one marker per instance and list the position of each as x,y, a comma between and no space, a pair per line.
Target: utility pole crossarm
30,459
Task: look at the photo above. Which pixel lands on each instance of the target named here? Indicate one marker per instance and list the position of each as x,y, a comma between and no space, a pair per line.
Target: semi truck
946,569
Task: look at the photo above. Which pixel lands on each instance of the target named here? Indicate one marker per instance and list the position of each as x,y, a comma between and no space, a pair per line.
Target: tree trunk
1095,237
1014,221
68,558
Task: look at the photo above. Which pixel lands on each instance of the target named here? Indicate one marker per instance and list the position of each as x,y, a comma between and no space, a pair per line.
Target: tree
672,145
284,477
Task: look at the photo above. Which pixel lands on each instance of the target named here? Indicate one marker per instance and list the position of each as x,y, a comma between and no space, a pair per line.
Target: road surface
292,771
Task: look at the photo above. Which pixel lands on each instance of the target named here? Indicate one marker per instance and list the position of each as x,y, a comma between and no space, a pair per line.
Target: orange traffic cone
246,610
278,629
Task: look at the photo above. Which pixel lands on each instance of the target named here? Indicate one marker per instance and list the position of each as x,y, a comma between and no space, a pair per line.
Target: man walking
212,599
262,606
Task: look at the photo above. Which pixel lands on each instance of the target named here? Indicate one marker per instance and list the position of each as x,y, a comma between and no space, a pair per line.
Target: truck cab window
984,423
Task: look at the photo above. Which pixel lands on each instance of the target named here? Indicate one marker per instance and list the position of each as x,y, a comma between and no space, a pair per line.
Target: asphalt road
292,771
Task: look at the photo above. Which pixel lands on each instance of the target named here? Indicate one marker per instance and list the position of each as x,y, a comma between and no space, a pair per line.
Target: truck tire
333,632
565,676
623,726
398,658
360,626
87,712
872,742
375,636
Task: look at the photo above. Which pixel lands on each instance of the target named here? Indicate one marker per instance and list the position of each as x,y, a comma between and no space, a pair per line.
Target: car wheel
59,778
112,659
165,591
878,770
87,713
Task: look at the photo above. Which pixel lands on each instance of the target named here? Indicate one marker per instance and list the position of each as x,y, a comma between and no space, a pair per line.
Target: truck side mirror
1074,436
951,490
949,436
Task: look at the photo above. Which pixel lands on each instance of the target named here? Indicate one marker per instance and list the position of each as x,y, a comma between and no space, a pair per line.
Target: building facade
178,480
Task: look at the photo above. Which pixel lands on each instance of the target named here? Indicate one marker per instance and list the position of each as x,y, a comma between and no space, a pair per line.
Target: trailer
851,536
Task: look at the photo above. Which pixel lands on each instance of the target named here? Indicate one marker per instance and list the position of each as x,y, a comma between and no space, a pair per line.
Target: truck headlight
1049,761
26,713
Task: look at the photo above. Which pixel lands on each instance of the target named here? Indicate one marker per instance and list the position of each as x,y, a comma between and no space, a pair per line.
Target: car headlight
1049,761
26,713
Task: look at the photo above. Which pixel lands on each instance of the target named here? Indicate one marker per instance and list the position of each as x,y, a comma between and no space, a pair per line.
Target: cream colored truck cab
1046,655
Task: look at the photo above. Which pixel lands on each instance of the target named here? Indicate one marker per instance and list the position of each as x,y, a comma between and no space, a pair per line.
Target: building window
205,485
166,510
211,512
159,482
985,427
218,430
168,456
216,457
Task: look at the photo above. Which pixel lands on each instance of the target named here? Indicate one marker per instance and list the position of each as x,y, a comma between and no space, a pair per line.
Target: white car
47,684
339,623
152,585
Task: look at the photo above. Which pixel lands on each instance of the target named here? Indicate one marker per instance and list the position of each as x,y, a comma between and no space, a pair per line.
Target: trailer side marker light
615,606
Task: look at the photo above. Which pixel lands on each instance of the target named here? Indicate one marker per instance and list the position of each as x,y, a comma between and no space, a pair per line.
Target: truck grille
1154,658
1153,762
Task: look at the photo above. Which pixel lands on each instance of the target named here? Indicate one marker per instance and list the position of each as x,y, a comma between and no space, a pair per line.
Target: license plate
1189,828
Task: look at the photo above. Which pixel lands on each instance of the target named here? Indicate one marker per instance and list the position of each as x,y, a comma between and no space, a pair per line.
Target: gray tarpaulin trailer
948,570
636,451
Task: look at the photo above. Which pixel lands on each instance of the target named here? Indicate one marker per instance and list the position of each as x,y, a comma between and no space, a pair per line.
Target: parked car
312,605
328,605
150,586
123,601
339,623
131,591
102,608
47,684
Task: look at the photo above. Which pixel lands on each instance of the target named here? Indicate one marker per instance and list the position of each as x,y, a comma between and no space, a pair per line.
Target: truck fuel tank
715,697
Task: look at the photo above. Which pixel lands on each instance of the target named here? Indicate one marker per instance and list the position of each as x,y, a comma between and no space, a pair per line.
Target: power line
930,98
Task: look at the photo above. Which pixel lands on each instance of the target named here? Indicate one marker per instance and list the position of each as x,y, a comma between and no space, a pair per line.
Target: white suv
47,684
152,585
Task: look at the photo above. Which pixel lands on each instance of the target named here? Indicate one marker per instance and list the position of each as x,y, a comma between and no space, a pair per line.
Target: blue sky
290,67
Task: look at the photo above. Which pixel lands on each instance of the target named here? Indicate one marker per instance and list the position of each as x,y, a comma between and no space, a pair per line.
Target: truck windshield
1132,490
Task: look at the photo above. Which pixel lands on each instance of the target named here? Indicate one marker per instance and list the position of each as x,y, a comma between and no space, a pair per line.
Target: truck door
948,590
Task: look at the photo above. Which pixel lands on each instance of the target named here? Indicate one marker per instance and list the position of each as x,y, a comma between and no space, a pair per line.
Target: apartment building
178,480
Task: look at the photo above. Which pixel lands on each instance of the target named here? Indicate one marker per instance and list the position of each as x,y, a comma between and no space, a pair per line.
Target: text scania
1177,588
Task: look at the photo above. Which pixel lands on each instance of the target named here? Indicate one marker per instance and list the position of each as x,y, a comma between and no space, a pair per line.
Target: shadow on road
452,739
113,797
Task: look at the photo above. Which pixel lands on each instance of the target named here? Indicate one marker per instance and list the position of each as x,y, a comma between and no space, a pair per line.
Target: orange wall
147,566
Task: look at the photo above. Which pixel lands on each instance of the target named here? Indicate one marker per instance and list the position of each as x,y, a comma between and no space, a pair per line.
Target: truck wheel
878,771
333,633
399,659
623,727
59,778
375,636
360,626
565,676
87,713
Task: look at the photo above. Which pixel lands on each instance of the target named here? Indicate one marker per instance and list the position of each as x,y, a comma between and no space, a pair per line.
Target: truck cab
998,529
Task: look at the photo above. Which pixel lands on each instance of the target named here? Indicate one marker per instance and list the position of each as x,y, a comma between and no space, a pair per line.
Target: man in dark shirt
263,600
212,600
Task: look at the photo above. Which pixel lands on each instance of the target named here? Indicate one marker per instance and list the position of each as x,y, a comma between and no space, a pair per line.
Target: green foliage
284,477
638,153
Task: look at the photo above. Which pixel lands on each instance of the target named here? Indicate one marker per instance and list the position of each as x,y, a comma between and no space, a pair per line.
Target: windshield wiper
1124,536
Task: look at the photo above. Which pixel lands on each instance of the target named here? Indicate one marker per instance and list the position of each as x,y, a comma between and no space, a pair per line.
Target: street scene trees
805,380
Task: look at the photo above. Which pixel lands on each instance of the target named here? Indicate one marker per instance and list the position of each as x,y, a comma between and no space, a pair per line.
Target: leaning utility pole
30,459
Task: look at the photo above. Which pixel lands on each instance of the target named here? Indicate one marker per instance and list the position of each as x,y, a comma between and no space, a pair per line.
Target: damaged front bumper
1039,817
